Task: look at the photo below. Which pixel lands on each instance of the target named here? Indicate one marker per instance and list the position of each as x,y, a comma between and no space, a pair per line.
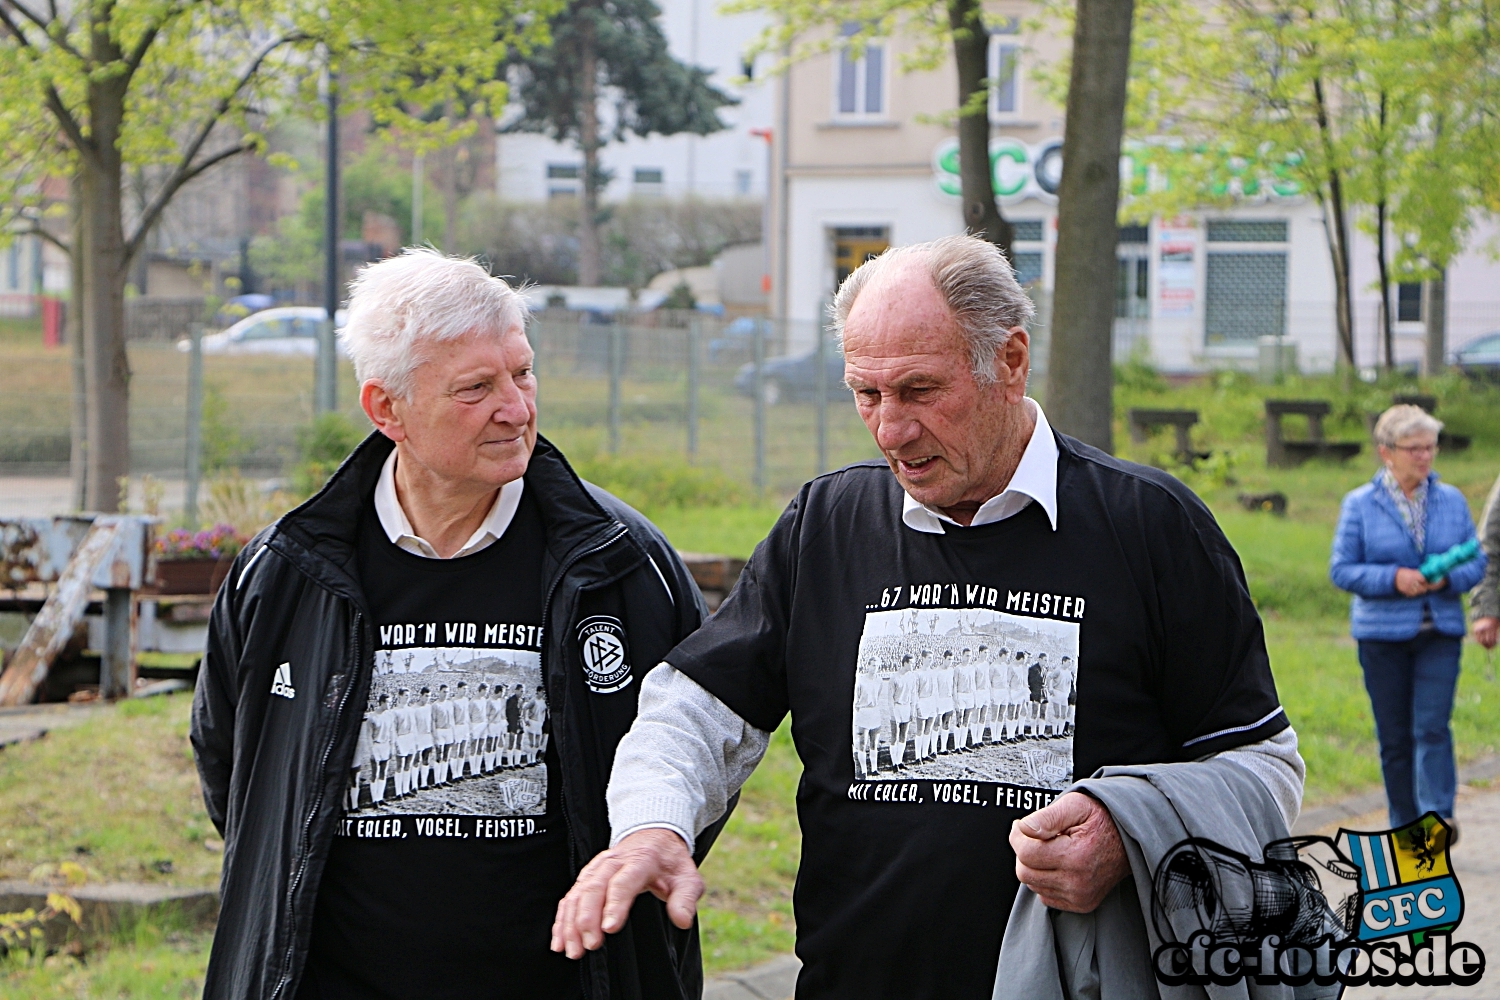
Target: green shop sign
1020,170
1017,170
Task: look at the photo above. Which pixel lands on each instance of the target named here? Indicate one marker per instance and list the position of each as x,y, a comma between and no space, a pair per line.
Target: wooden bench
1144,421
1284,454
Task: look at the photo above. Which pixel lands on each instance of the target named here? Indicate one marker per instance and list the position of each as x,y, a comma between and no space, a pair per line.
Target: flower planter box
191,576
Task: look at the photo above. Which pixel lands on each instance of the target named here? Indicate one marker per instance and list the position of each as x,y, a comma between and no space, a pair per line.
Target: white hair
421,296
1404,420
975,280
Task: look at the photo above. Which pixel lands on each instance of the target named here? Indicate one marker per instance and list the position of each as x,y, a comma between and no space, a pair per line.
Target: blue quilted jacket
1372,542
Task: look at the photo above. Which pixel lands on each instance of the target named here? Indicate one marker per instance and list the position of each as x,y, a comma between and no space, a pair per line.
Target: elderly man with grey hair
980,524
454,549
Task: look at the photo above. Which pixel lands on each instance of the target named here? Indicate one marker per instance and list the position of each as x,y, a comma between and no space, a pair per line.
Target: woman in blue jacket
1410,630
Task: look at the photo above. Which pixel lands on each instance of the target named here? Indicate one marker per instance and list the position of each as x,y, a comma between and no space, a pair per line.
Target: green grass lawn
152,964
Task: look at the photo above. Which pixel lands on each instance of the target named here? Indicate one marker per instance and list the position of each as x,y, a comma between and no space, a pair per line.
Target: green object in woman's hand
1440,564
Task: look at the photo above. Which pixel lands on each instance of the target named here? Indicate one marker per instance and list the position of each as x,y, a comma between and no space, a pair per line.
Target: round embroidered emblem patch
606,663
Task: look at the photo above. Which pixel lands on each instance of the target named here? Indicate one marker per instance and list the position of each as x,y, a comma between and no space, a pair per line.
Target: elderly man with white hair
458,545
980,524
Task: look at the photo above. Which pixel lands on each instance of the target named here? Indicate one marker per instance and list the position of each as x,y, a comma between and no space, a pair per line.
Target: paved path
34,496
1478,870
773,980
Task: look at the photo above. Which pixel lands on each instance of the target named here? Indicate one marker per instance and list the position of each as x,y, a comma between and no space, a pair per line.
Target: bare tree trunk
1080,380
588,139
1435,308
971,53
1387,331
78,430
1336,227
106,365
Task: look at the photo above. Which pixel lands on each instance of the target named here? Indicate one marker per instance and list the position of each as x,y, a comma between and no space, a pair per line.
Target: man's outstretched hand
655,861
1069,853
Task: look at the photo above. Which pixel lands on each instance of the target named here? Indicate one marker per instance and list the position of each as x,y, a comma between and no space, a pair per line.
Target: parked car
739,336
285,330
793,377
241,306
1480,357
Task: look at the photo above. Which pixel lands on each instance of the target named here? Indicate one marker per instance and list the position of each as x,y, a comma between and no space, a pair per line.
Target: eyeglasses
1415,449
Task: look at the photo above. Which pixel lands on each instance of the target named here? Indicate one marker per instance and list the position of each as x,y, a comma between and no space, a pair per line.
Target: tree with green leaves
1449,170
370,182
940,28
1079,381
99,91
1354,103
613,53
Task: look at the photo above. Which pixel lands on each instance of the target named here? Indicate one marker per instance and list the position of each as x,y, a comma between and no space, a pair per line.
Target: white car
283,330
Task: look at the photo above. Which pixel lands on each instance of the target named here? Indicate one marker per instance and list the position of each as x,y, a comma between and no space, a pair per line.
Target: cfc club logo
1363,908
606,659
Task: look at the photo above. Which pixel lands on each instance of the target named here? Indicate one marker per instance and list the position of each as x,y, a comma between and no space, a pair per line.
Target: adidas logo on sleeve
282,683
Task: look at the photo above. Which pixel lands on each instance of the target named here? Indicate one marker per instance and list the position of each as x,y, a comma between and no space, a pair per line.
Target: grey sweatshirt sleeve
685,756
1279,767
1484,600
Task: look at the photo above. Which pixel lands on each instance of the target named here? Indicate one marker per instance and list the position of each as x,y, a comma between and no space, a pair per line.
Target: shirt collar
1035,479
399,530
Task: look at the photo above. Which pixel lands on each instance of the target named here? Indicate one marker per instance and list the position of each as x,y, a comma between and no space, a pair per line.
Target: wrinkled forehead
901,314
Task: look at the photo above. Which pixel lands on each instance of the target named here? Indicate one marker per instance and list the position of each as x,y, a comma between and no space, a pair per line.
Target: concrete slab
113,906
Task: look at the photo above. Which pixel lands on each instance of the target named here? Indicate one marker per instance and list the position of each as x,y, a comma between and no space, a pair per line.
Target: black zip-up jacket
273,769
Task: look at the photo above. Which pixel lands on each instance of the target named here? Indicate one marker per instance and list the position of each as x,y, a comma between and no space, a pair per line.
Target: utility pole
326,374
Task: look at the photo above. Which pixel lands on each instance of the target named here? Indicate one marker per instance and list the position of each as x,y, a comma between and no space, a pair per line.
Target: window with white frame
859,83
1005,70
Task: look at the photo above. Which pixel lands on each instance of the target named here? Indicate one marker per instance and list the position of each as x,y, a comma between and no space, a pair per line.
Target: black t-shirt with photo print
444,877
982,669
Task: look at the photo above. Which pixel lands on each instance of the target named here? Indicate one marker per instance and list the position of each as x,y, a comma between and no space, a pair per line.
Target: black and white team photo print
454,738
965,694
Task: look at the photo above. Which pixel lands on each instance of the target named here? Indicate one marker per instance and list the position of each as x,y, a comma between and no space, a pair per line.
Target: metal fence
745,397
738,396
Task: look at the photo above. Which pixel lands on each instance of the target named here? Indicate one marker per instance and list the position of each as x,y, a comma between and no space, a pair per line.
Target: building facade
861,163
728,164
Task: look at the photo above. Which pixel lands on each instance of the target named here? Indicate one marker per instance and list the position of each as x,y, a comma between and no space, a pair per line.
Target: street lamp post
325,396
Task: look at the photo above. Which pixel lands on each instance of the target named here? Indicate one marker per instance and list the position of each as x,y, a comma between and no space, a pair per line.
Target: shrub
223,441
322,447
239,503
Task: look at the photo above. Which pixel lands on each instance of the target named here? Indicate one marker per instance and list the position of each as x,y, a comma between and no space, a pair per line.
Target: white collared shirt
399,530
1034,479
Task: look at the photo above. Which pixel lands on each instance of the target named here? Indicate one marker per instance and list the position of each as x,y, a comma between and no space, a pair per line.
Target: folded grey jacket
1107,954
